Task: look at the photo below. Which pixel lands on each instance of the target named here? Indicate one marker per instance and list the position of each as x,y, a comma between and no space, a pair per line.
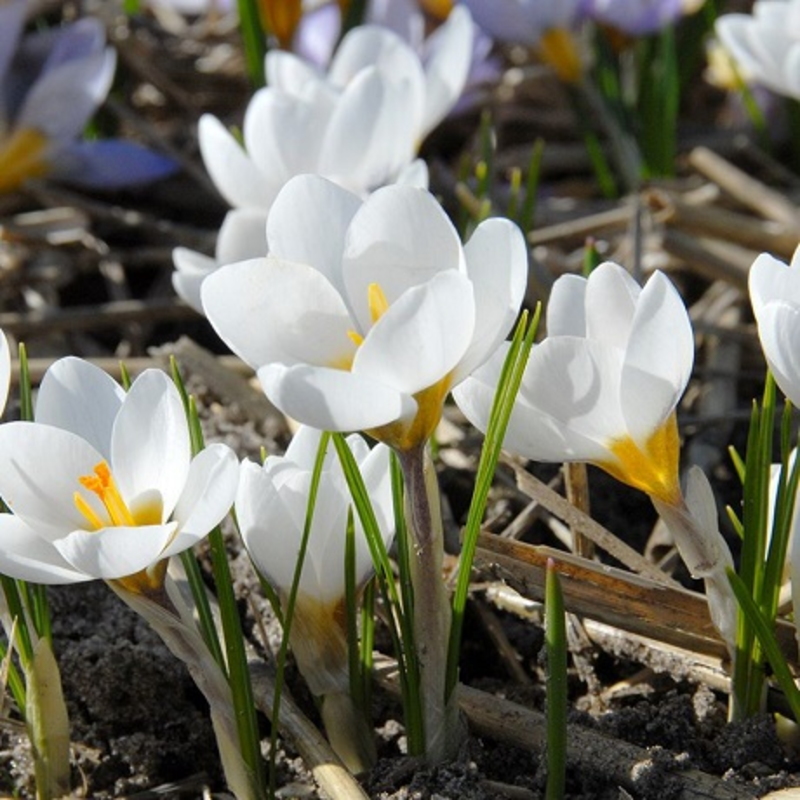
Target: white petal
269,532
497,265
475,395
207,496
27,557
369,137
270,310
399,238
242,236
611,297
568,408
231,169
39,470
770,279
191,269
308,223
78,396
422,337
659,357
302,450
115,552
779,332
566,307
288,72
150,445
283,134
447,68
333,400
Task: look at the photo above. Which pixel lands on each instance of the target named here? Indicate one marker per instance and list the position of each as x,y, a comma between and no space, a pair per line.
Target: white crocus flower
103,484
603,388
359,125
775,297
271,508
766,44
365,314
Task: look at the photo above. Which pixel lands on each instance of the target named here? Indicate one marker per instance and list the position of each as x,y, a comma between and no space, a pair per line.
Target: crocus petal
110,164
658,359
611,298
369,137
568,407
406,232
771,279
273,310
779,332
39,470
497,266
331,399
308,223
115,552
231,169
447,69
150,447
61,102
78,396
191,269
289,72
302,450
566,307
283,134
242,235
265,525
27,557
207,496
422,336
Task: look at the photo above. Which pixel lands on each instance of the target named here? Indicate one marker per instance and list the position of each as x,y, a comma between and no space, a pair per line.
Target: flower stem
431,604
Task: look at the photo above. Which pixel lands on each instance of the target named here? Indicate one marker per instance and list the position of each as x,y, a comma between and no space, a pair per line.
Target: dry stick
750,192
721,223
603,538
621,763
102,315
713,259
617,218
576,484
327,769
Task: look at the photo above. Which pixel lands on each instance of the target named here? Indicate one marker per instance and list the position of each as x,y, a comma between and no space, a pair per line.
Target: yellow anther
103,485
356,338
557,48
22,157
378,304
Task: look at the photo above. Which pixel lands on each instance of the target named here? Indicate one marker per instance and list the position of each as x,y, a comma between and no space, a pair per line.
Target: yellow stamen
654,468
557,48
281,18
378,304
103,485
22,157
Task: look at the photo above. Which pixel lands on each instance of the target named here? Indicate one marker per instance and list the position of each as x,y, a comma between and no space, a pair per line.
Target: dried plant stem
432,614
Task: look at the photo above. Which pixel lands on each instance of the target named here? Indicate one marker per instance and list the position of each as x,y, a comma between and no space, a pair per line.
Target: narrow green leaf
769,643
502,406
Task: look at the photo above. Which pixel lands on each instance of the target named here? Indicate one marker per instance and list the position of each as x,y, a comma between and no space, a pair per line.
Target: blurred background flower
51,83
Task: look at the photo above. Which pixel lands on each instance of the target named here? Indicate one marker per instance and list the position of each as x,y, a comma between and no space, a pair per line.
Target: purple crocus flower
635,17
51,83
